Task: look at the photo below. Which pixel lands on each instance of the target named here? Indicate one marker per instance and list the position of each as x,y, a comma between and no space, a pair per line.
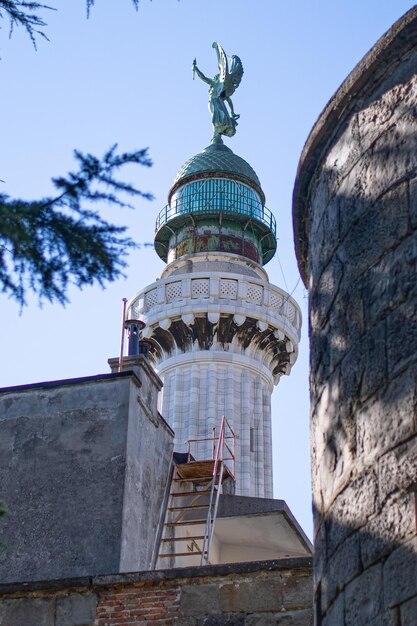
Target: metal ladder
191,514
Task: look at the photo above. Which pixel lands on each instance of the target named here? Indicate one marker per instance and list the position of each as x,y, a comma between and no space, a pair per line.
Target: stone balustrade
212,292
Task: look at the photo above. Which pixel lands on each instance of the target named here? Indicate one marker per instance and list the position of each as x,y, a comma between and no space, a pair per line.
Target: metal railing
244,206
216,482
225,449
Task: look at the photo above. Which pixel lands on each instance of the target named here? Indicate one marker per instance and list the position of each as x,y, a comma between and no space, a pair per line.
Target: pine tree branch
91,3
48,244
21,13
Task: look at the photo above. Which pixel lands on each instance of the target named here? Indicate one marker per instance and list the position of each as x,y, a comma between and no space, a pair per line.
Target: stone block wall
268,593
355,208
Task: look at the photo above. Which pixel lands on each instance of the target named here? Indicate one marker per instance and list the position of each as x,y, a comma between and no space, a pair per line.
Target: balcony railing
219,204
184,293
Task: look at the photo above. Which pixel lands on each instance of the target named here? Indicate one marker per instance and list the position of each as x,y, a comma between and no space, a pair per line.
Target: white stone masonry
220,341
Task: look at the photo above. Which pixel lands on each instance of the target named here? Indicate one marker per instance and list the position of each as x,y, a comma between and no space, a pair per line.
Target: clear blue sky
126,77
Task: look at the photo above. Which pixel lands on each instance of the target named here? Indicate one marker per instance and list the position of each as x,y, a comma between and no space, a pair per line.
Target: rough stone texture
200,599
27,611
81,463
355,215
268,593
77,609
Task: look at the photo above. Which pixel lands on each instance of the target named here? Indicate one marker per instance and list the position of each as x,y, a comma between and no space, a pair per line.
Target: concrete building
80,475
355,217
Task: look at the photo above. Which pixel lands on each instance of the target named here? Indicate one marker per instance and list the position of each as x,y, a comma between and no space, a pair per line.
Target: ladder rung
189,522
199,479
191,507
170,554
191,493
194,537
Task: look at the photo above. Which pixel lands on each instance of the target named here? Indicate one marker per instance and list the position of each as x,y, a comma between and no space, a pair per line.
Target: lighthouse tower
219,333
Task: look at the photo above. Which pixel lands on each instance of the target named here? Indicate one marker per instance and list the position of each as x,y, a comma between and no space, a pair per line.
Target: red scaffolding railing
223,445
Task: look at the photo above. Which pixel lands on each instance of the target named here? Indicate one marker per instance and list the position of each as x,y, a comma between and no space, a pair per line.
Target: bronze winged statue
221,87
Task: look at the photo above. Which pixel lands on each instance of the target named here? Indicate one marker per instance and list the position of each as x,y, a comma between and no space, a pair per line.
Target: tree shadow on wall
363,338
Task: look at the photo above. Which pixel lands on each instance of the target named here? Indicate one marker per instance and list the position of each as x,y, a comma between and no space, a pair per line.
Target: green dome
217,159
219,195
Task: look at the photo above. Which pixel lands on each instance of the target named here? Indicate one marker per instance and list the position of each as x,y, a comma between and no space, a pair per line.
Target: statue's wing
234,76
229,75
223,64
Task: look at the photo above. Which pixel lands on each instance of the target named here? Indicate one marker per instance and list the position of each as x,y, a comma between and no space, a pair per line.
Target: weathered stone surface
343,566
402,338
326,231
355,212
351,197
375,434
392,158
186,596
408,612
319,342
333,444
289,618
382,113
400,574
391,281
335,614
344,155
76,610
198,599
297,591
346,322
325,292
351,373
355,206
375,233
81,463
351,509
249,598
373,352
27,612
363,597
320,553
396,522
225,619
413,201
59,436
398,469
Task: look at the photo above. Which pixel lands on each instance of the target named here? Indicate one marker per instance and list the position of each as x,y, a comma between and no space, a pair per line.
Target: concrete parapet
83,473
262,593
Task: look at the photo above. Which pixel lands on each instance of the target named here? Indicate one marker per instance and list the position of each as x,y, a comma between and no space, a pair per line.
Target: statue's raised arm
221,87
200,73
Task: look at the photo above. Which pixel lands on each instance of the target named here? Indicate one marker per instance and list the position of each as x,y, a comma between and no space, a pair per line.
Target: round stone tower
219,334
355,217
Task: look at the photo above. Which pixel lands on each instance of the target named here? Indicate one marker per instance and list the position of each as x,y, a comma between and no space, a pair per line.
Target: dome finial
216,139
221,87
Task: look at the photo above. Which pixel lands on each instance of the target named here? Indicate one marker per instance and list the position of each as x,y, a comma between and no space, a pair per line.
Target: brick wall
137,605
268,593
